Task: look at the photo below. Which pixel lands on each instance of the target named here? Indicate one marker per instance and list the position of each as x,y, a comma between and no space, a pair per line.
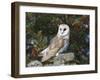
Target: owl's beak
62,32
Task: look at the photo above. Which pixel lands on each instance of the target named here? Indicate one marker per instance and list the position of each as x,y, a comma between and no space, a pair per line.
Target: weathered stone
61,59
58,61
34,63
69,56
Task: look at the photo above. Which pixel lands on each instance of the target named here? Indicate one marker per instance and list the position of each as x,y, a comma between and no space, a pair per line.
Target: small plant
40,41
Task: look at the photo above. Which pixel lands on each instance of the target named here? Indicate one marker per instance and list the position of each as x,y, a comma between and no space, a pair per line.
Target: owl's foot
57,54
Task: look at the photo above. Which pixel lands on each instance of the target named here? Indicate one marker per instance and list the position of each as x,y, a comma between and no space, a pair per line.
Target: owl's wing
56,43
53,48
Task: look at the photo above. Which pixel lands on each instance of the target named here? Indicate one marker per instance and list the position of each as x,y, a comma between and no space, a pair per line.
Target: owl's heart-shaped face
63,30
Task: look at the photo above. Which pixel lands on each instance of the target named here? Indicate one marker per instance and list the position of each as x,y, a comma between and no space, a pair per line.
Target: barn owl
58,44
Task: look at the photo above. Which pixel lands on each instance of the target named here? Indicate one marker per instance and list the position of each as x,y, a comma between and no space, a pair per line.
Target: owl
58,44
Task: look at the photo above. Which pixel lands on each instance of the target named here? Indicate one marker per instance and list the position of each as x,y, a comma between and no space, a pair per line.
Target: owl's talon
57,54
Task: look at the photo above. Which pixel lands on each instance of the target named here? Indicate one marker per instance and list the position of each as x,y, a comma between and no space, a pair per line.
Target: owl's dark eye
64,29
60,29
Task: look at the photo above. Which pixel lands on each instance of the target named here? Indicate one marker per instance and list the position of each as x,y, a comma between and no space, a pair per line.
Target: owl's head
63,30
